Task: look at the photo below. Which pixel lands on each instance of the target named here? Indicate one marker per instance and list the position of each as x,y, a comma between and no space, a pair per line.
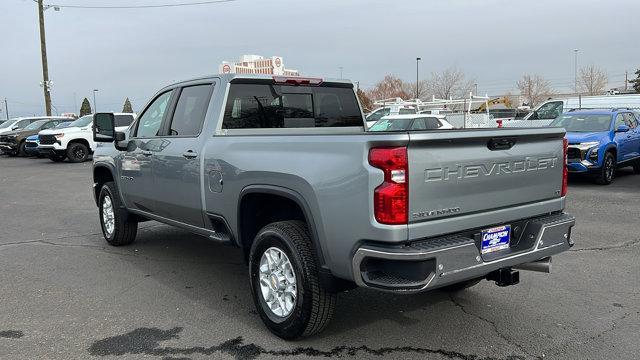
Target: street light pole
6,108
45,67
476,88
95,105
417,75
575,70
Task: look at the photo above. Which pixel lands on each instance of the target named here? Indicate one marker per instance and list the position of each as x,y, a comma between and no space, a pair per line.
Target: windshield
83,121
35,125
7,123
583,122
391,125
62,125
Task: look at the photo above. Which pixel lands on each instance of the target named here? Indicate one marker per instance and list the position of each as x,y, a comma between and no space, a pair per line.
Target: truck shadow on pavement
215,276
146,341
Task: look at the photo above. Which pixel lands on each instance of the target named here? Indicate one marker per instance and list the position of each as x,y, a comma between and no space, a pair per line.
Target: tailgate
457,173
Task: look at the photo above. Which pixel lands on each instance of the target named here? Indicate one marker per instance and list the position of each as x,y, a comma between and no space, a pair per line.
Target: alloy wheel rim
78,153
609,169
278,284
108,218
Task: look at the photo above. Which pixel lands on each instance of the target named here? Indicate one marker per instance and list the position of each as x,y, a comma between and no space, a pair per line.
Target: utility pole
417,75
95,105
340,71
575,70
476,88
45,68
626,80
6,108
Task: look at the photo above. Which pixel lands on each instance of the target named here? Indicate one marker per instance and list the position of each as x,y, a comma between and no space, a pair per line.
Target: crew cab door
176,166
634,136
624,140
136,176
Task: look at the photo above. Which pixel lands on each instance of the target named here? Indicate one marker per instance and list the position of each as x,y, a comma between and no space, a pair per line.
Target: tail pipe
542,265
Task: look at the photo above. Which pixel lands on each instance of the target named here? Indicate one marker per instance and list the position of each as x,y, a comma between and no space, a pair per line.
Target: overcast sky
133,52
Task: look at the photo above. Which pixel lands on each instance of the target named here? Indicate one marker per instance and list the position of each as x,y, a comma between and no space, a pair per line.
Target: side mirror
622,129
104,127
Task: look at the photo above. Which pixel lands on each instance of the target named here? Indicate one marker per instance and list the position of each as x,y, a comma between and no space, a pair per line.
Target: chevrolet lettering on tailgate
462,172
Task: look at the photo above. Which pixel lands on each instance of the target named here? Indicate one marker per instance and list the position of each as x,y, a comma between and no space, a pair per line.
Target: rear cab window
263,105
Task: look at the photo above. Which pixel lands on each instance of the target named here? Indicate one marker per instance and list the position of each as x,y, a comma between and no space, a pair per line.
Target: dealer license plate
495,239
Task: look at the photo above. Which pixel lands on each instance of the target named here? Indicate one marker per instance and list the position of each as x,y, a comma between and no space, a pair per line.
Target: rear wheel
118,226
284,281
77,152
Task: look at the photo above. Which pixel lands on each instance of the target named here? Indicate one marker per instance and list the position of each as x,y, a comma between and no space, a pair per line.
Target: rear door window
190,110
251,106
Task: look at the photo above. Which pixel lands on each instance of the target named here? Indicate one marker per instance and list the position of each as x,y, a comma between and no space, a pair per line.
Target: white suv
75,142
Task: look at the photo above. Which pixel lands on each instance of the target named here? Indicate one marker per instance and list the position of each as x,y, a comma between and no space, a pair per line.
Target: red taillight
294,80
499,122
391,199
565,172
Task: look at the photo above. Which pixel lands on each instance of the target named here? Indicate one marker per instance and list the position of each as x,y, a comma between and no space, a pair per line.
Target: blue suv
601,141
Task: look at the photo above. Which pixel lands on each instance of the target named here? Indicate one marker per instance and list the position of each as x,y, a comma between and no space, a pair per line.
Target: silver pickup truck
284,169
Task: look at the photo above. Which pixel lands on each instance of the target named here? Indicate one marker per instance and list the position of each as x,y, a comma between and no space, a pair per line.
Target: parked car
21,122
14,142
75,142
601,141
411,122
283,168
544,114
397,108
32,142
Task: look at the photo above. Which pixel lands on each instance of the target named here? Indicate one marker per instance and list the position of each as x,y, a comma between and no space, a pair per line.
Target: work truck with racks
284,169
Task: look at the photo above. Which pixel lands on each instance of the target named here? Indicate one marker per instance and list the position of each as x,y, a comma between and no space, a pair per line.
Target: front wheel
77,152
608,170
284,281
22,149
118,226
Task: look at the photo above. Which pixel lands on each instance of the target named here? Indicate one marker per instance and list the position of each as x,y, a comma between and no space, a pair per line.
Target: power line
142,6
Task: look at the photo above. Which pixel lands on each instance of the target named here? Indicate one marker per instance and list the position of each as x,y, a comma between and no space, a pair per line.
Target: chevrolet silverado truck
284,169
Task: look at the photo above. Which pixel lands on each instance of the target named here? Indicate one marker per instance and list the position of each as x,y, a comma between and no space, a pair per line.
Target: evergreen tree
126,108
636,82
85,109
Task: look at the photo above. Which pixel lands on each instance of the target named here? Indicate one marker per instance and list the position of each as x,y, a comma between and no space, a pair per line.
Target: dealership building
255,64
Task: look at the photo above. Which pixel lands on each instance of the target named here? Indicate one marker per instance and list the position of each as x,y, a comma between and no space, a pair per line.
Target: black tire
77,152
636,169
21,148
314,305
453,288
125,226
57,157
608,170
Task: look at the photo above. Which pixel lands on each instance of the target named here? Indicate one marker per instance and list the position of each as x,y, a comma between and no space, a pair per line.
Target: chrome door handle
147,153
190,154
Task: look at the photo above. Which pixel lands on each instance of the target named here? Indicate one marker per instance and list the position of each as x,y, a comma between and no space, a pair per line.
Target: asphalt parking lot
66,294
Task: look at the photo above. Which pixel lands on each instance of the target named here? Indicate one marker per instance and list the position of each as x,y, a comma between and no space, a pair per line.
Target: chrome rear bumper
431,263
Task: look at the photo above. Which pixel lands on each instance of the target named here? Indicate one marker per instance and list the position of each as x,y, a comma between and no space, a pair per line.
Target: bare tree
450,83
592,80
424,89
389,87
365,101
534,89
